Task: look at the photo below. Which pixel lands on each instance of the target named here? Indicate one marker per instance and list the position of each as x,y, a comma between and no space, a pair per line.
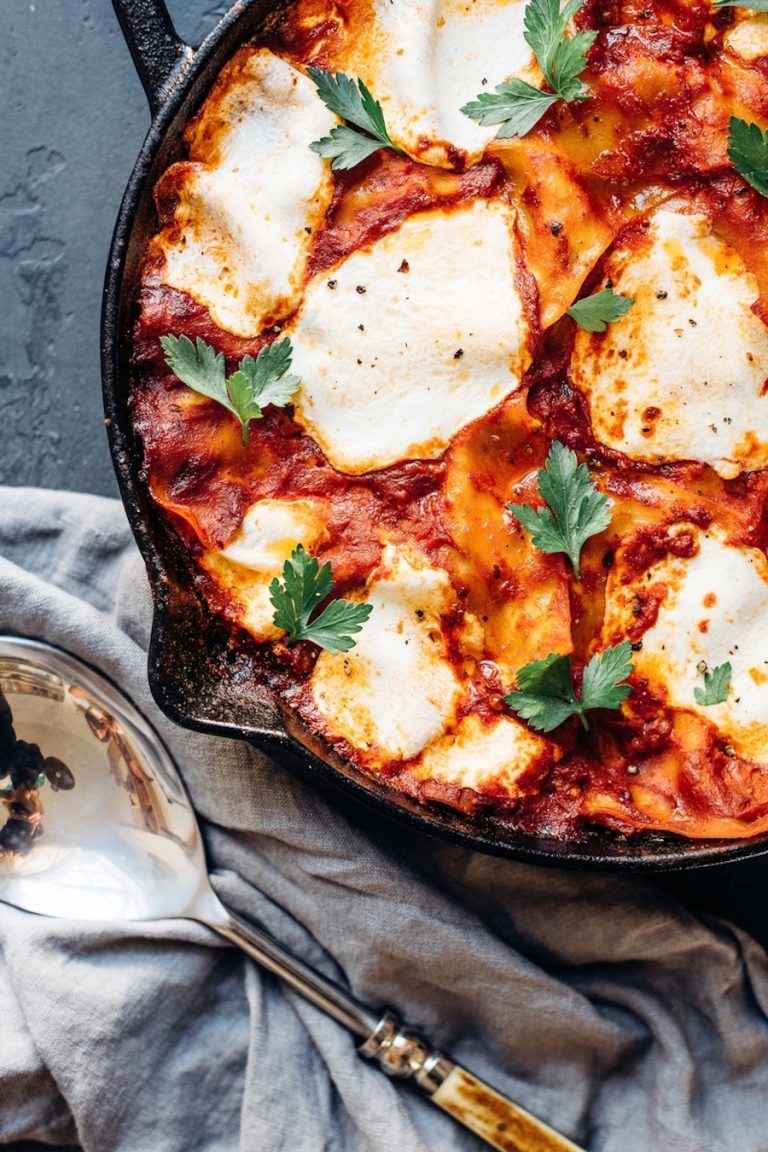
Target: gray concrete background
72,119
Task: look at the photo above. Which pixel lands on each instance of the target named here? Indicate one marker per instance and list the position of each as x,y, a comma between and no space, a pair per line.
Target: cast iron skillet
195,676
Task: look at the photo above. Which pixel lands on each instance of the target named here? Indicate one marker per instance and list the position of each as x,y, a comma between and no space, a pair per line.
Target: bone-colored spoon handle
500,1122
403,1052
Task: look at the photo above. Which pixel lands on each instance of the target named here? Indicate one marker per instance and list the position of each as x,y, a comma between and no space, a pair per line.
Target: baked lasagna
515,260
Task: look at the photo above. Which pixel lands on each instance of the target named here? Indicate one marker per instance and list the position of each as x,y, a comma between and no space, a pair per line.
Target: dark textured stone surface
73,119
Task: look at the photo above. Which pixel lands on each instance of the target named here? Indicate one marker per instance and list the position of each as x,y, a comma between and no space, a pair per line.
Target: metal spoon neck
320,990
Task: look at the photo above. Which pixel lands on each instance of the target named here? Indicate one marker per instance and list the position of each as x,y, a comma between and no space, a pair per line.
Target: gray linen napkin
627,1022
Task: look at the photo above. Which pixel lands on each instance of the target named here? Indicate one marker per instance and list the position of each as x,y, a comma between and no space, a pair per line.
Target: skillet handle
158,53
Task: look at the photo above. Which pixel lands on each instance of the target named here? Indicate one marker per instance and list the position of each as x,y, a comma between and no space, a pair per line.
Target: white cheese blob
682,376
411,339
424,59
239,237
395,691
748,38
270,530
715,611
479,754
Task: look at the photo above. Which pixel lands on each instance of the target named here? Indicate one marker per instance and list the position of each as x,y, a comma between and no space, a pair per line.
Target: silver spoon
95,824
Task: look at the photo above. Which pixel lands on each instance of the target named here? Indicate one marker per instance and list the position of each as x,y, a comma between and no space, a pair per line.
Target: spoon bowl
122,842
99,827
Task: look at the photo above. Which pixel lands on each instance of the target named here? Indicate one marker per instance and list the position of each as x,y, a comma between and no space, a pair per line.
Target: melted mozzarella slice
411,339
396,690
748,38
270,531
239,236
682,376
480,755
714,610
424,59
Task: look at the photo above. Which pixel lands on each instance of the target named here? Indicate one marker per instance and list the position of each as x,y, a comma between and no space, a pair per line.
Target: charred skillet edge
185,681
306,754
135,223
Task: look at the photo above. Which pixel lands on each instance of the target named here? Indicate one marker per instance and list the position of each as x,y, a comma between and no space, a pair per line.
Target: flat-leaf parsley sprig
594,313
364,131
258,381
575,508
516,105
755,5
545,696
716,686
304,586
748,152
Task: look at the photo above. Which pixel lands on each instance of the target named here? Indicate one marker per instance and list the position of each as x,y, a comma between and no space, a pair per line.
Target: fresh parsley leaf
349,101
569,60
353,103
198,366
266,374
748,152
518,106
545,694
259,380
594,313
602,682
755,5
575,508
716,685
345,147
545,26
305,585
515,105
